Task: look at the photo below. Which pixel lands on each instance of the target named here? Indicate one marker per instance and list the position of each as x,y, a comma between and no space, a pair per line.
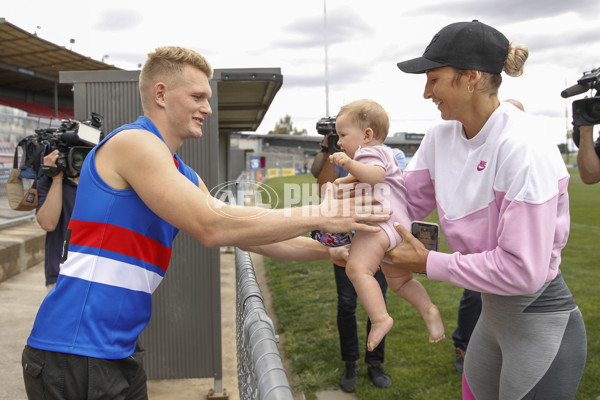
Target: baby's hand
340,159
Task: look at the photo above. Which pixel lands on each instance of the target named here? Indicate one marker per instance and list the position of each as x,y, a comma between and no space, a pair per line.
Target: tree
285,127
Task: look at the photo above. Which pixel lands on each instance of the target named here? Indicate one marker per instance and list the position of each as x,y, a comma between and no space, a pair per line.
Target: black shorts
52,375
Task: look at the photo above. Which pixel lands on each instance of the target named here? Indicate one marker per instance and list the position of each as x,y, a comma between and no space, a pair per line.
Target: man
587,158
134,195
56,198
347,297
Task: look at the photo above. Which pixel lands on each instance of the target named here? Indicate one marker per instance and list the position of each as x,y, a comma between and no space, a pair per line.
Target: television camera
73,140
325,126
585,111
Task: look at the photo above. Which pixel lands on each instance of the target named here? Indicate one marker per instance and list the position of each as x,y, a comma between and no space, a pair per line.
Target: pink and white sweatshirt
502,201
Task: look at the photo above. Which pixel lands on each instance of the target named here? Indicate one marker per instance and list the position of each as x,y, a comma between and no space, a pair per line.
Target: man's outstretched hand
347,213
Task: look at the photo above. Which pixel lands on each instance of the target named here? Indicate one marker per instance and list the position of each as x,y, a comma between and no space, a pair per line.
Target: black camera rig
585,111
325,126
72,139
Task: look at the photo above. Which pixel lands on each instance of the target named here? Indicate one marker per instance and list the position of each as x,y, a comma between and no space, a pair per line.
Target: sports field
305,301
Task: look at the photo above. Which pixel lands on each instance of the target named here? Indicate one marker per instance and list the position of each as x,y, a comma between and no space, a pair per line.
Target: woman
501,194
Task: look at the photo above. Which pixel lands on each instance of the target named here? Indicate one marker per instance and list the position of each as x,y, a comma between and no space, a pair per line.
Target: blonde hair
166,64
515,61
368,114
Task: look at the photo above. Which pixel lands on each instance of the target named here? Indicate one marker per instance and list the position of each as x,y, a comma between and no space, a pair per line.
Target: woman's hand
410,254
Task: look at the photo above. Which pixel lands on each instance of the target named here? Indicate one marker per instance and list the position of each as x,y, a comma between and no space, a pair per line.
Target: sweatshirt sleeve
532,227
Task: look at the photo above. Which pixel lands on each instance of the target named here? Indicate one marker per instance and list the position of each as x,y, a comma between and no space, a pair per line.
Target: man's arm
48,214
300,249
295,249
587,158
321,157
318,163
328,174
141,161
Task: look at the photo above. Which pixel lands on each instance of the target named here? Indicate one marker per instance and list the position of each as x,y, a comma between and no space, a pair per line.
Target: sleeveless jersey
118,253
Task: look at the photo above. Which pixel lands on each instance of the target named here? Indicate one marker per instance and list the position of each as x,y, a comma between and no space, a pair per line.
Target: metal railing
260,368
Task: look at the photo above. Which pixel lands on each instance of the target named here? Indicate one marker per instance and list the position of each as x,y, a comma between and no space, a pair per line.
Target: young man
134,195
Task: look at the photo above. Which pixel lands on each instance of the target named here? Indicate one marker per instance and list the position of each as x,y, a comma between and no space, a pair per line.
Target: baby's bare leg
403,284
366,252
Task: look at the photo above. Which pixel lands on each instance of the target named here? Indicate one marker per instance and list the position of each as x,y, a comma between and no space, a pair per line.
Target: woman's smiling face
449,95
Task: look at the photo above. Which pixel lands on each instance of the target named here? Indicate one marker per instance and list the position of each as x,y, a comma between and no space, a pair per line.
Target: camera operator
321,158
587,158
56,198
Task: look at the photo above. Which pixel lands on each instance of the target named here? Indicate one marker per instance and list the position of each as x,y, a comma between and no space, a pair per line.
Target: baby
362,127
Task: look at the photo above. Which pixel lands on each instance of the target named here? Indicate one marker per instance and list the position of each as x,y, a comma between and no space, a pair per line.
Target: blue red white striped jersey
118,253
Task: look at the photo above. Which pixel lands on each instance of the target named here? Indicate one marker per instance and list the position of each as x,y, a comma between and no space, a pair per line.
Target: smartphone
428,233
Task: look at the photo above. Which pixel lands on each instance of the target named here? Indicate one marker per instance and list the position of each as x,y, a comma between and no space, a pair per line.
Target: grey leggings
527,347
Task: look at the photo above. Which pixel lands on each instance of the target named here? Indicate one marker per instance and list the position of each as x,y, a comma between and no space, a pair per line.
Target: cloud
507,11
343,25
340,76
118,20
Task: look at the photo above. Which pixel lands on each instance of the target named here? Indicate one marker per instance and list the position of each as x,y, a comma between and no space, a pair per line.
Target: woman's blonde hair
514,64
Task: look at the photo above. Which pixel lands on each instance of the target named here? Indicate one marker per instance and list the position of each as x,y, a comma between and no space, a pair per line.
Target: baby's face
351,136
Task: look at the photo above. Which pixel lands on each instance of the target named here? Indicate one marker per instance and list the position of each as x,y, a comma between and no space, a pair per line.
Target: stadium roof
31,64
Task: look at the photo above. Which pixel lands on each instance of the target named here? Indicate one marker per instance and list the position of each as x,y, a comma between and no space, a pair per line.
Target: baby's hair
368,114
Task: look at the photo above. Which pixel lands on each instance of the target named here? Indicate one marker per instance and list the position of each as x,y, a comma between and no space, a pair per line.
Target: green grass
304,297
277,186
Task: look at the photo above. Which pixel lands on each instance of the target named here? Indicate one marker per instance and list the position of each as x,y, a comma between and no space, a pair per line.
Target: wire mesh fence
260,368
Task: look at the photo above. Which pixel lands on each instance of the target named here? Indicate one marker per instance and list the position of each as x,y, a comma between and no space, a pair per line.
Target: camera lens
332,143
586,111
592,110
76,158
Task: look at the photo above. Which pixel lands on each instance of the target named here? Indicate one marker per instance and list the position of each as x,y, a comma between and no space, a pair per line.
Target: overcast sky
365,41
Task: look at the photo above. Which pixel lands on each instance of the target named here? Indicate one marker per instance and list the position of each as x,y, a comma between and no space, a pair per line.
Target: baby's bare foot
435,326
379,329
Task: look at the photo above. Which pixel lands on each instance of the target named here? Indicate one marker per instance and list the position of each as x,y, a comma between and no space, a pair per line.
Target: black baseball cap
463,45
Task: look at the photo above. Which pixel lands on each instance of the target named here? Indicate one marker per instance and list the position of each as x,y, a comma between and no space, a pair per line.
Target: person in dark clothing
56,199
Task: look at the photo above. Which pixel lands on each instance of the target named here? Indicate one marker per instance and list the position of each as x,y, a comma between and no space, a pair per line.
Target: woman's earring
469,89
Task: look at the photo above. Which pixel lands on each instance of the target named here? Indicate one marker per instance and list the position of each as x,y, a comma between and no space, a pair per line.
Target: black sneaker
379,378
459,360
348,383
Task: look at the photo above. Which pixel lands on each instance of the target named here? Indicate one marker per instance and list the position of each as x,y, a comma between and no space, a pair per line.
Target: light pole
566,129
326,59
